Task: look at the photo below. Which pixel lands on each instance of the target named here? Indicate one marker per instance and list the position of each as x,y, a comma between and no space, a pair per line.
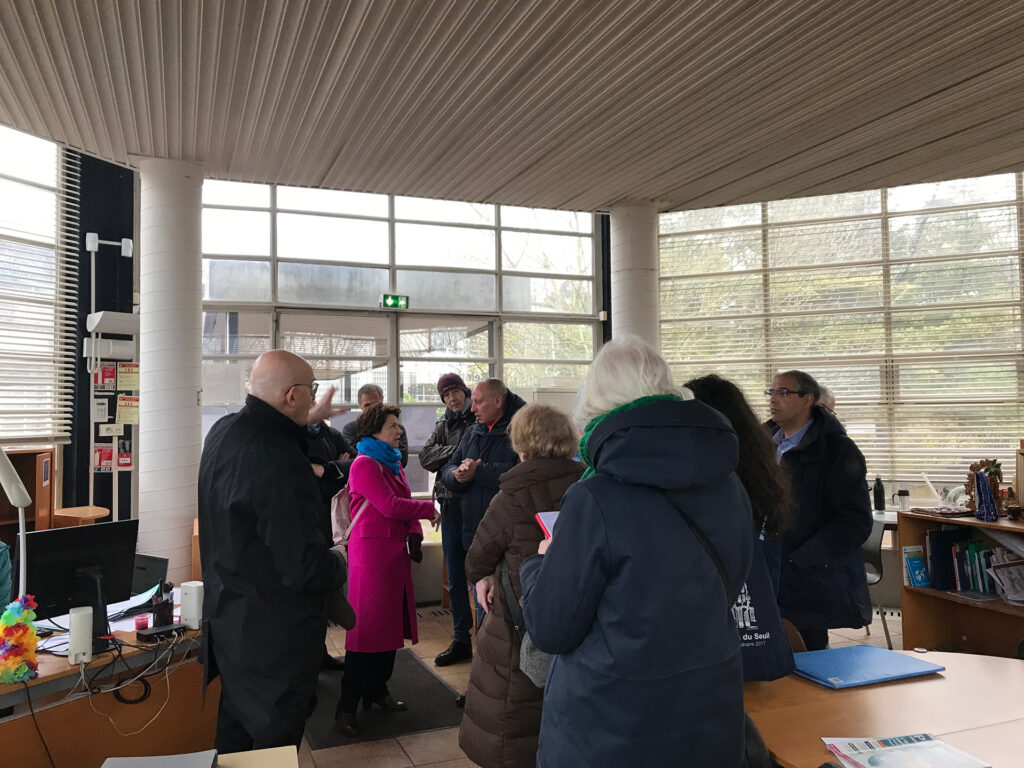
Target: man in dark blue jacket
823,582
484,454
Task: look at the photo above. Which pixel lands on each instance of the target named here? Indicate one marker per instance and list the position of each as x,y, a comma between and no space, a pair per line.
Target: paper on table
61,622
920,750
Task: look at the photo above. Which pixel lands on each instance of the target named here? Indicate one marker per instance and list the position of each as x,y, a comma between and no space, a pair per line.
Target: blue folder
854,665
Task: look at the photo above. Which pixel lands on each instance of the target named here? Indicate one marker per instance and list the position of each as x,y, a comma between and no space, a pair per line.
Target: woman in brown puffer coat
502,719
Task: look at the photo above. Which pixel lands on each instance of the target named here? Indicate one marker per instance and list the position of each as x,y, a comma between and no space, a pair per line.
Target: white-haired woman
634,593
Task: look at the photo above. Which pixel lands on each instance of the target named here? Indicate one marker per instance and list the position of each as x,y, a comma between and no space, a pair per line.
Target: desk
890,518
974,705
81,737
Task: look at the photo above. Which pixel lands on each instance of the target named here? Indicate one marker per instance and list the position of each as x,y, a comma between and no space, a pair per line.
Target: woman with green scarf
633,593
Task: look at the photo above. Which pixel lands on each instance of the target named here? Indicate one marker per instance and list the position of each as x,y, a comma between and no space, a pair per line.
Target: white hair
625,369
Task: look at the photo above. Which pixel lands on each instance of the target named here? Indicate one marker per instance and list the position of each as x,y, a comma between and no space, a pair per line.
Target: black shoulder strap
514,613
708,547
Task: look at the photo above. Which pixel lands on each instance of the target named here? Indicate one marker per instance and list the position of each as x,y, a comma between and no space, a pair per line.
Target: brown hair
541,430
371,421
766,483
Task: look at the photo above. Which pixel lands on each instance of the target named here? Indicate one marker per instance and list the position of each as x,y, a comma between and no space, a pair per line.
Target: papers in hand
546,521
920,750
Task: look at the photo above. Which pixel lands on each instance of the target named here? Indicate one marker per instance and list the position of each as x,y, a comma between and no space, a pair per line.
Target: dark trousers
366,674
233,737
815,639
455,562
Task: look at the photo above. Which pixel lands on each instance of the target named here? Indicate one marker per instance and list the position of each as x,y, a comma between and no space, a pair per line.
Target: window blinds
38,290
906,302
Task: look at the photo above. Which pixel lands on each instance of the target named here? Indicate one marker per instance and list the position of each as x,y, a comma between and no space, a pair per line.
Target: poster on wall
103,458
128,376
104,376
127,409
124,453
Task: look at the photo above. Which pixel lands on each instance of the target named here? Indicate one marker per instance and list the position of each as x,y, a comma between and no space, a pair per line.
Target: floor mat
431,705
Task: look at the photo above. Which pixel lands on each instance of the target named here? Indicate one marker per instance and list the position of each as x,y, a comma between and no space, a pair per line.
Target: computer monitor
149,571
81,565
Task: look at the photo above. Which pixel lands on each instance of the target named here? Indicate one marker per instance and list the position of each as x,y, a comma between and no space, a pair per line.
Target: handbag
533,662
767,654
764,646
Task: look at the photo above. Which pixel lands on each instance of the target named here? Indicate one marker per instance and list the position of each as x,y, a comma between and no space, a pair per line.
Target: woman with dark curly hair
385,535
767,654
766,484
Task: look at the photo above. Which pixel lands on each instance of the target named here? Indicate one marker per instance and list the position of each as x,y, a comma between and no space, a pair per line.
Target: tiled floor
437,749
840,637
440,748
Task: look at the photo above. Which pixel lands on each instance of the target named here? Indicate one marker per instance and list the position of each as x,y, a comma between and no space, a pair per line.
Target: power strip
155,634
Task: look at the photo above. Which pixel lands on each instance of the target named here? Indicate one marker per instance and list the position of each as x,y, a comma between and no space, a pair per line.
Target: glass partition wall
494,291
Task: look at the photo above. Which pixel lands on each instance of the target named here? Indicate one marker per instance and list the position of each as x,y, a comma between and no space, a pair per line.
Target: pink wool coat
379,572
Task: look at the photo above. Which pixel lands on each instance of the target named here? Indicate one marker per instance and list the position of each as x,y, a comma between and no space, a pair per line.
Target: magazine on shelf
915,572
920,750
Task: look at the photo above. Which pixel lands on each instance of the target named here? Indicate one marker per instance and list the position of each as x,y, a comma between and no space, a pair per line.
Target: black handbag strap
708,547
514,613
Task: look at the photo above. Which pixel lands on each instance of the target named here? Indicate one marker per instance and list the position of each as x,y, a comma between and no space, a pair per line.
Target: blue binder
854,665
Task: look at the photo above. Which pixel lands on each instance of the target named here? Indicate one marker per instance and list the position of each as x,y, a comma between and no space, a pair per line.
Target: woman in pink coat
386,533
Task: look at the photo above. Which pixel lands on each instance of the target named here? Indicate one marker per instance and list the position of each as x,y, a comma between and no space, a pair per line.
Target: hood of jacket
671,445
513,403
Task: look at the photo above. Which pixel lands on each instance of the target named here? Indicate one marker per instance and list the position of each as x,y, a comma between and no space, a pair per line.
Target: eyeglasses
782,392
312,387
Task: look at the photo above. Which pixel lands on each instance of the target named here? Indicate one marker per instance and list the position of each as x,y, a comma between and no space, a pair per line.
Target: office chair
871,551
796,640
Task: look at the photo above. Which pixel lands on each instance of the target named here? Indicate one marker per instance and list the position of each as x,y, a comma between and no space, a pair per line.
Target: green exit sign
394,301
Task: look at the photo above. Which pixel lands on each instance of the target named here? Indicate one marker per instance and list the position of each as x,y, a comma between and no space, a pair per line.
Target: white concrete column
634,271
170,359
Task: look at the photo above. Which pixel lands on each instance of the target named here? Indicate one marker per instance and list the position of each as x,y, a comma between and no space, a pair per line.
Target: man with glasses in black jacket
823,582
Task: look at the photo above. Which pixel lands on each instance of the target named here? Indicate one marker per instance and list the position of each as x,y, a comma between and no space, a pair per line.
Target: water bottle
879,493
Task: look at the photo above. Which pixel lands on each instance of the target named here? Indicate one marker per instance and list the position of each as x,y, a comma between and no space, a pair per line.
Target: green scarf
589,429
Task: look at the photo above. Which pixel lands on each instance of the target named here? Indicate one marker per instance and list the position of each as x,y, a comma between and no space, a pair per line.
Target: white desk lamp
18,496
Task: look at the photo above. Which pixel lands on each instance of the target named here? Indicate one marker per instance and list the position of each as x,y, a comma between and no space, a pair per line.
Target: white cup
902,498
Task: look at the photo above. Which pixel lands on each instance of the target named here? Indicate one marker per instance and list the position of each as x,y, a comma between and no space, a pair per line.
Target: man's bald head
283,381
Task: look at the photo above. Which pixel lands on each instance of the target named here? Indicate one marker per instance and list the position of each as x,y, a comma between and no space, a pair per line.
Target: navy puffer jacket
648,671
823,581
494,447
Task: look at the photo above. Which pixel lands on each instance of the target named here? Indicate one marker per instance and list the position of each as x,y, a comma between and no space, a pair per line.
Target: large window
906,302
38,285
493,291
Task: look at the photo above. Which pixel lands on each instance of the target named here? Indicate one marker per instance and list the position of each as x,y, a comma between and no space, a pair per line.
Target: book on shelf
919,750
915,571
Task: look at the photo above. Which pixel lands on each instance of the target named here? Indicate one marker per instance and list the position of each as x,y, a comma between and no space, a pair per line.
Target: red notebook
546,521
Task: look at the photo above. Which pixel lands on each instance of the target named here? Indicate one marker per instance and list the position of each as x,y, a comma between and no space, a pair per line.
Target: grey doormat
431,706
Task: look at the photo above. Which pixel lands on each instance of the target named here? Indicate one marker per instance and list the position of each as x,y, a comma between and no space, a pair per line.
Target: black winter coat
648,671
326,444
443,442
494,447
267,567
823,584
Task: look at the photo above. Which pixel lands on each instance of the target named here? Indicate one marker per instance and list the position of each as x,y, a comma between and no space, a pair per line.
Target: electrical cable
31,709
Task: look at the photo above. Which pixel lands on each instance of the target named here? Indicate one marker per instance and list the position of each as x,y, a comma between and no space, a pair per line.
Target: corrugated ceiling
541,102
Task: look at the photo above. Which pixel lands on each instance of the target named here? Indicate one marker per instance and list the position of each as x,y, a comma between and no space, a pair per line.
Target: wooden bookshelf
946,620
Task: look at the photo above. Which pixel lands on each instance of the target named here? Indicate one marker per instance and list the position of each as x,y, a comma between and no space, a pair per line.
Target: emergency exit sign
394,301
